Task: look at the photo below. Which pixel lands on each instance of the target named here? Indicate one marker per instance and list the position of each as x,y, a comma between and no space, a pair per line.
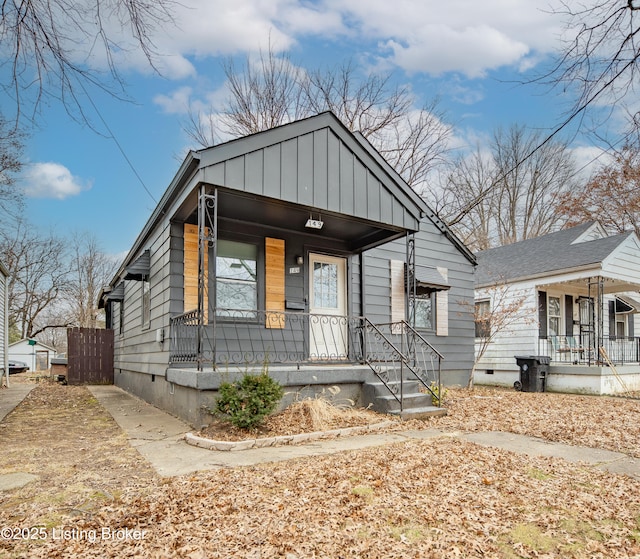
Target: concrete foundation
575,379
190,394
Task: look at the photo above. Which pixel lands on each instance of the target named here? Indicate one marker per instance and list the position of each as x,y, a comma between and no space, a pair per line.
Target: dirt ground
96,497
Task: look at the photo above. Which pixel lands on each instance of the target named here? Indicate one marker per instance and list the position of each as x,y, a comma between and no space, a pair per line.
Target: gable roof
288,162
556,252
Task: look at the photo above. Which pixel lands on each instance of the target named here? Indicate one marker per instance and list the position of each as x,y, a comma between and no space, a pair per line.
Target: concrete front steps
417,404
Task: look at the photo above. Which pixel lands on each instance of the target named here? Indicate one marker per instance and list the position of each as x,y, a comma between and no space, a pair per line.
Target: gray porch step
416,404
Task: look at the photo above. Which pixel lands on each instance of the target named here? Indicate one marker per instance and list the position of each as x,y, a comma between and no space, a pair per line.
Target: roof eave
597,267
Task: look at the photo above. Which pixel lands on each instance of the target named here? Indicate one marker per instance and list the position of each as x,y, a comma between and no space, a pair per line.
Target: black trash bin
533,372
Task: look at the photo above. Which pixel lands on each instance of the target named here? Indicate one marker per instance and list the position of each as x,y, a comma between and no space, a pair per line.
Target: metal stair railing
427,361
391,349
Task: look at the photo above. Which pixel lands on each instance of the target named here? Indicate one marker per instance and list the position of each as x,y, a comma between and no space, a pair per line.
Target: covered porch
590,334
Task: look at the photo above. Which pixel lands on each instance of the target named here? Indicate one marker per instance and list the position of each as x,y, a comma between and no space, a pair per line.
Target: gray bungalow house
579,296
298,249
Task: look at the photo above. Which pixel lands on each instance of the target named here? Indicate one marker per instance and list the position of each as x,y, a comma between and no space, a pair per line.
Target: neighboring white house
580,294
32,352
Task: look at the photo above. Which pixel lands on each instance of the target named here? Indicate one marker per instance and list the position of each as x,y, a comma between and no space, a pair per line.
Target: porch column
207,238
410,279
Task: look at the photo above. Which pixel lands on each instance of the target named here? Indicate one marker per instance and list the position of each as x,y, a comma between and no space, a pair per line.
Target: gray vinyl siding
432,250
136,348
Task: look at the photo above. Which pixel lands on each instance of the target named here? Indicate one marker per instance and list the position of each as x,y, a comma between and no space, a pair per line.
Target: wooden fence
89,356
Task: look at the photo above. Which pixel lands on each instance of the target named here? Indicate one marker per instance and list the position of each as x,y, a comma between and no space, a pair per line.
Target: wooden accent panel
191,270
274,282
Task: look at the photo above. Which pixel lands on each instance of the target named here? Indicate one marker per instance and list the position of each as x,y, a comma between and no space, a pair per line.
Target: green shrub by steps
247,402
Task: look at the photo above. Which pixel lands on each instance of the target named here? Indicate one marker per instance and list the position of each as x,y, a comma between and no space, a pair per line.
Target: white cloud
52,180
454,36
177,102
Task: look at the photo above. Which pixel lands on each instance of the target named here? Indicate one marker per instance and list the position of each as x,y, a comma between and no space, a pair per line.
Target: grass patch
538,474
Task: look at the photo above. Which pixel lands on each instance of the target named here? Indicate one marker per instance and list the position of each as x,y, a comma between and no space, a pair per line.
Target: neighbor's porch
589,322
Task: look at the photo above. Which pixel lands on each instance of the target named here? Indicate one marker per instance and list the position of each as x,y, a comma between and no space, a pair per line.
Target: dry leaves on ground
304,416
439,498
611,423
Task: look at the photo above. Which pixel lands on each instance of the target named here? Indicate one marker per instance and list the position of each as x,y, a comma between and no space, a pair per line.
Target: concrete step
378,388
421,413
415,402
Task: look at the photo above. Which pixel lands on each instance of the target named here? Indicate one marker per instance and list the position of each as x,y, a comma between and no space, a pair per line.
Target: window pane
483,324
325,285
423,309
554,316
146,304
236,275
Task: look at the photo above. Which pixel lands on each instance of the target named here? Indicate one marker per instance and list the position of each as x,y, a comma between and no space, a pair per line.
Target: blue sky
469,53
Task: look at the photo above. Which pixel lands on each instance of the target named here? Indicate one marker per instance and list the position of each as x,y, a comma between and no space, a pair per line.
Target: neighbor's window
146,304
423,309
236,278
555,320
483,321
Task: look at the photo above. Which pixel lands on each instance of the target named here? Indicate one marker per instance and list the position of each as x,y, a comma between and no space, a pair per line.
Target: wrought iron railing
584,350
254,337
396,352
184,338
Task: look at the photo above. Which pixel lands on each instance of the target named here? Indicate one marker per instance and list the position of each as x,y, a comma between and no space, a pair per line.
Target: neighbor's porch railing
579,350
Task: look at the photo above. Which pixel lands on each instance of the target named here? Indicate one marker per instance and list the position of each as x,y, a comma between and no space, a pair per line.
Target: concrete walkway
12,396
159,437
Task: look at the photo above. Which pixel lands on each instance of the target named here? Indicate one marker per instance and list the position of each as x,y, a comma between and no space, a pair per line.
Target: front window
236,279
555,322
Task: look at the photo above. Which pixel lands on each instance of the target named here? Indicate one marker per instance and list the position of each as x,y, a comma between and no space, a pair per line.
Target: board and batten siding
317,169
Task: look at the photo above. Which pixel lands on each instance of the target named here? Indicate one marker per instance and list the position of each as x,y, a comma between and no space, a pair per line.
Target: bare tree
11,146
600,58
509,192
90,269
50,46
37,274
273,91
499,309
611,196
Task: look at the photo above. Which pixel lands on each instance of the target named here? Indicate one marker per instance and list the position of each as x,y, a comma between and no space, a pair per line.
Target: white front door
328,307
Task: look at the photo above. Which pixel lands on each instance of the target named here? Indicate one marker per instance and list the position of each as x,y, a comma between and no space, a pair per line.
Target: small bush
247,402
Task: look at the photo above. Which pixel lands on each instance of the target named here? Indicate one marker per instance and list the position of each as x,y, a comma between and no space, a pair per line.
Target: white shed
32,352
